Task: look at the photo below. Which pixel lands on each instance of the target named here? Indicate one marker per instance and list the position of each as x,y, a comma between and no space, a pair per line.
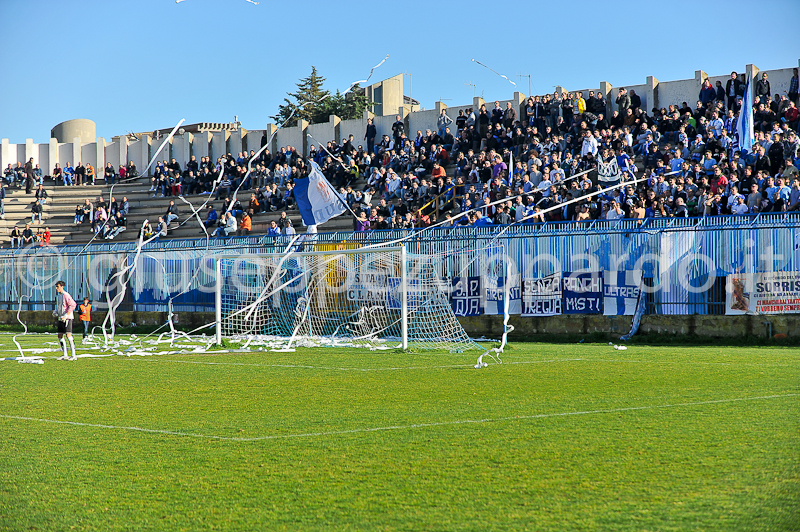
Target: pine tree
309,92
321,104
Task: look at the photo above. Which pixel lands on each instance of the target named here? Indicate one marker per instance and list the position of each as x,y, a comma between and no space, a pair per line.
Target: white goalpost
377,298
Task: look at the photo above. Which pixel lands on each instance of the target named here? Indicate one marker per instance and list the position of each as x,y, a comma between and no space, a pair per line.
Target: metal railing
732,244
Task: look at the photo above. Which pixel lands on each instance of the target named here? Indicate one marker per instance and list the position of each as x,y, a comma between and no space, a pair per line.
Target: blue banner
582,292
466,296
621,292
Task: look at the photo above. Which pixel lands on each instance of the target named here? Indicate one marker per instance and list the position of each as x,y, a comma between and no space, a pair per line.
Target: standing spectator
29,176
623,101
762,87
707,93
85,316
794,85
398,128
2,201
362,224
732,89
442,122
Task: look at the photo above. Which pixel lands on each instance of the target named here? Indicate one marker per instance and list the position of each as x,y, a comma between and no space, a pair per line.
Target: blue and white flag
316,198
621,292
744,126
494,289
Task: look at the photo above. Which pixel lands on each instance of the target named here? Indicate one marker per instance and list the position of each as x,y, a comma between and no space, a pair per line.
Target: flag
317,200
744,126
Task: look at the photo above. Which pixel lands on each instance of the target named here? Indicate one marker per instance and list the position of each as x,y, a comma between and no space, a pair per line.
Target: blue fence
702,250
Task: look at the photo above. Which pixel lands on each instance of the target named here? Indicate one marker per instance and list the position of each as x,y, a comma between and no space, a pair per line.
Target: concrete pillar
100,160
4,155
76,151
337,132
235,142
303,125
651,93
751,74
123,150
272,133
605,89
52,153
145,155
559,89
200,145
367,115
218,144
700,76
477,101
31,151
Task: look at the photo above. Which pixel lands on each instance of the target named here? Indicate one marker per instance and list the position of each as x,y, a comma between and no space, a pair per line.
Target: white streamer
496,72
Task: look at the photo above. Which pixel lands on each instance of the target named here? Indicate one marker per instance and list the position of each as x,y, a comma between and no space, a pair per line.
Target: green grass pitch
558,437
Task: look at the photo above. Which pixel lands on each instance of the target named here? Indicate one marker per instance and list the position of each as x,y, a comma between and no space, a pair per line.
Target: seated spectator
36,212
273,230
229,228
171,214
44,237
161,228
16,237
246,224
211,218
27,235
110,174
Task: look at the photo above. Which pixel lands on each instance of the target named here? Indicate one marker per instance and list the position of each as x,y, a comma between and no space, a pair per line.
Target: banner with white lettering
466,296
366,286
415,295
494,289
542,296
583,293
608,172
763,293
621,292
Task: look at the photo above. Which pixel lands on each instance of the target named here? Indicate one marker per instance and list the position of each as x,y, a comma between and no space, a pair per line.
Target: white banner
763,293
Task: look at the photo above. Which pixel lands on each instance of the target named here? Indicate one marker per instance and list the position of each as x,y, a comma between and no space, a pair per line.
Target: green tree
346,106
310,93
320,103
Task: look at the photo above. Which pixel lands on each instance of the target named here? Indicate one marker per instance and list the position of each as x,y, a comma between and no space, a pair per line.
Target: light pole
520,76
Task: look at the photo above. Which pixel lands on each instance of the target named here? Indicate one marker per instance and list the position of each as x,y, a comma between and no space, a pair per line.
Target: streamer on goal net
343,298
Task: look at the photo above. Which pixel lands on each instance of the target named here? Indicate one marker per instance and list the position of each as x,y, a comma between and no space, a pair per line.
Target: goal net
376,298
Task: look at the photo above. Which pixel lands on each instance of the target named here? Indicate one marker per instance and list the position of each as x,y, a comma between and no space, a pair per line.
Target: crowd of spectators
501,165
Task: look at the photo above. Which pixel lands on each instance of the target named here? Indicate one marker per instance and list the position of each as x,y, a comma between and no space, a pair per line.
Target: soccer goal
369,297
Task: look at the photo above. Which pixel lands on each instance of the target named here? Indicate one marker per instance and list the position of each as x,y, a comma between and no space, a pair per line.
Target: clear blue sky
144,64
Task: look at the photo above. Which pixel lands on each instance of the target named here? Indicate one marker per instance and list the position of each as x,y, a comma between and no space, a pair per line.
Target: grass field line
332,368
549,361
404,427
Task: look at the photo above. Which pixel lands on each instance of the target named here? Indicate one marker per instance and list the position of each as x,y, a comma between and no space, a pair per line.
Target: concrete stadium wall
699,325
324,132
653,93
492,326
